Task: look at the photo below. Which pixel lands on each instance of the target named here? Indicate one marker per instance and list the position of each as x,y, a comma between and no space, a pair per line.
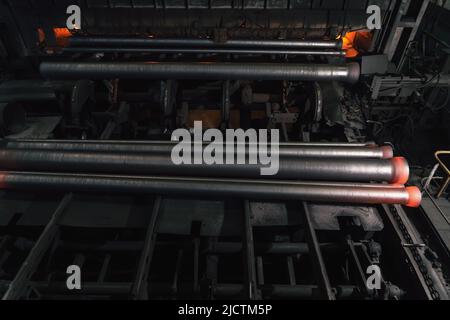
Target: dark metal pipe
394,170
201,70
298,144
152,42
237,51
300,151
265,189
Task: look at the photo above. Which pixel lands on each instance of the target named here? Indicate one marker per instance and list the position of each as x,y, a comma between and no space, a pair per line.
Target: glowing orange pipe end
401,170
415,197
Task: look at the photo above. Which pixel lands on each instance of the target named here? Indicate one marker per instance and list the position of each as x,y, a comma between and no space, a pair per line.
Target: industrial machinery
94,92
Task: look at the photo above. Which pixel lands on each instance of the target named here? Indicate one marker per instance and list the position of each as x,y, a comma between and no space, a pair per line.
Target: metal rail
139,289
249,255
320,270
21,281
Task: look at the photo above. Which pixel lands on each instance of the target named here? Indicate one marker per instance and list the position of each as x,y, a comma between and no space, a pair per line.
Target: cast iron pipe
393,170
307,144
300,151
201,70
339,53
152,42
176,186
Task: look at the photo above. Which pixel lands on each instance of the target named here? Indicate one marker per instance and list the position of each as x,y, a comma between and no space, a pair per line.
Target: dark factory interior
349,102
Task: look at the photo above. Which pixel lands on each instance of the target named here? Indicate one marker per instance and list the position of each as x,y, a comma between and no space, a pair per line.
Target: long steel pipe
155,42
393,170
266,189
237,51
201,70
307,144
298,151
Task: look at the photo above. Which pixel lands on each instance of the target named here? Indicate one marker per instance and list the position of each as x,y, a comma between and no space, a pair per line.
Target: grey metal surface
37,128
325,217
285,150
183,42
218,70
260,189
405,86
374,64
144,142
325,169
438,212
339,53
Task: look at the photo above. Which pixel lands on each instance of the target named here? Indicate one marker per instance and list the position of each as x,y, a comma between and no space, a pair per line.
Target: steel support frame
21,281
139,289
320,271
398,28
250,278
409,240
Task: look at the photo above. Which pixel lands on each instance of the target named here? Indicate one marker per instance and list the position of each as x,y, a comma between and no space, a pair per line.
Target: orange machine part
62,36
356,42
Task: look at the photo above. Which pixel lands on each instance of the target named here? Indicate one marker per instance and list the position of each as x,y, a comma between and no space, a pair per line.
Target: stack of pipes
320,172
218,70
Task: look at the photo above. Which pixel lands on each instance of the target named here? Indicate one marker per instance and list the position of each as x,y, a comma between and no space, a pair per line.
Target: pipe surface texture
267,189
201,70
149,42
300,151
237,51
393,170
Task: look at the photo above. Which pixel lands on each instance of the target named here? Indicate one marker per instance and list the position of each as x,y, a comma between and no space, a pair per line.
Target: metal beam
320,270
139,290
21,280
249,255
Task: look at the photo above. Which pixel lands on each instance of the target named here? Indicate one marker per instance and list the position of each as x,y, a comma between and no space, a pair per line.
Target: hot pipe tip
401,170
415,197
